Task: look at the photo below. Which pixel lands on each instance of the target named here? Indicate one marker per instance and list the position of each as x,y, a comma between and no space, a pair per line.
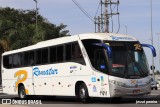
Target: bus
105,65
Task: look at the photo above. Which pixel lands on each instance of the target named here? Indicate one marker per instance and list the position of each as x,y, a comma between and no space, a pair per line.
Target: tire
156,88
22,92
83,93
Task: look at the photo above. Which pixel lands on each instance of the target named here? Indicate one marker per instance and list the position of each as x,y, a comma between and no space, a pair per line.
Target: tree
18,29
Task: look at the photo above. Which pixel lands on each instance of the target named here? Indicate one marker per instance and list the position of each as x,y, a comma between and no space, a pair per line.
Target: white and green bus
89,65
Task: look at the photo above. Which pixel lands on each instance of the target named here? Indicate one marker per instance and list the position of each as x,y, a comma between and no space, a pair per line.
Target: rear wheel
83,93
22,92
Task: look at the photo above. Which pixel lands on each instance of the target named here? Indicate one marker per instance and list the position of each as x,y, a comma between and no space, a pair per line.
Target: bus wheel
22,92
83,93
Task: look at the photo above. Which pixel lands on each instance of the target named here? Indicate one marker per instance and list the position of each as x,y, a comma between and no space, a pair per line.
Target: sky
134,14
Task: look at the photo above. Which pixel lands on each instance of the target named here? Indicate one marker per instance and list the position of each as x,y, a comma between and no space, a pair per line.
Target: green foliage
18,29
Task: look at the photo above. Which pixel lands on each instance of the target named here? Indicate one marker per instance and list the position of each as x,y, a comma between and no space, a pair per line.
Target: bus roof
67,39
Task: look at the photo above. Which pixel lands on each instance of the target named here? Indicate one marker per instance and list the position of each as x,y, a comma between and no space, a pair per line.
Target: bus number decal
20,79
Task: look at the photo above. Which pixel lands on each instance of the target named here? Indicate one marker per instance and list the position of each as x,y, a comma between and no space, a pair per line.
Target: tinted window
73,53
45,56
25,59
17,60
52,54
76,53
7,61
59,53
38,56
68,52
31,58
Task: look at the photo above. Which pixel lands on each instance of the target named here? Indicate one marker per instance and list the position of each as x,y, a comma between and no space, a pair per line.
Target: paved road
72,102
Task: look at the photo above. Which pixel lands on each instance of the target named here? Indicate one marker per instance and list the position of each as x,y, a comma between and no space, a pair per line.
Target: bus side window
53,54
59,53
38,56
25,59
45,56
31,58
68,52
7,61
77,54
17,62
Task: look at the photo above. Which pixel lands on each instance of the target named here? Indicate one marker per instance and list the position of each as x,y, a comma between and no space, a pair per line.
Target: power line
80,7
98,8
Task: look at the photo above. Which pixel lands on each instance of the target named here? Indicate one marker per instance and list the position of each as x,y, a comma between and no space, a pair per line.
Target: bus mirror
107,47
151,47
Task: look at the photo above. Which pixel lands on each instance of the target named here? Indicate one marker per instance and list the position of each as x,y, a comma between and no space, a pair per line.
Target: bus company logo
21,76
121,38
38,72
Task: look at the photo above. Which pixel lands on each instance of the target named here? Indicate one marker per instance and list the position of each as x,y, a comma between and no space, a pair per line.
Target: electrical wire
98,8
86,13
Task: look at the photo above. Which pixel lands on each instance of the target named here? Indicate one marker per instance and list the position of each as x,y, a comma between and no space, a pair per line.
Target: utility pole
153,66
106,16
103,22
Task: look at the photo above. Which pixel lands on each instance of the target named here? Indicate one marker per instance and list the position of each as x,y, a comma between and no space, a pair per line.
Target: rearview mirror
151,47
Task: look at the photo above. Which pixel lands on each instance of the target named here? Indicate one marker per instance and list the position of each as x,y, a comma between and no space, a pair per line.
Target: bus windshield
128,60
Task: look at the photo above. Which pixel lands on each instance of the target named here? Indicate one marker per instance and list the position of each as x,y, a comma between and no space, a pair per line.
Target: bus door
101,78
100,60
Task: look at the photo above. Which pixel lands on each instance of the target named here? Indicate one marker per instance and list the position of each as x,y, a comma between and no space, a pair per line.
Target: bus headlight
118,83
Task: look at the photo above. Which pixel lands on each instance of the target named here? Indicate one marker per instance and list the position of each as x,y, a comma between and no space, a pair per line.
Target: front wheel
22,92
83,93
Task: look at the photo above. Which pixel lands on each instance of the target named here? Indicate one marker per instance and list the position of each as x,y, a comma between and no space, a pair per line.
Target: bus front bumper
118,91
